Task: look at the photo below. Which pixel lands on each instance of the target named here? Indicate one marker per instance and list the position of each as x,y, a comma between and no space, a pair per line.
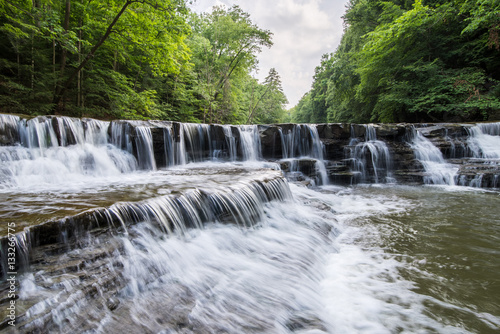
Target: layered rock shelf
79,194
173,143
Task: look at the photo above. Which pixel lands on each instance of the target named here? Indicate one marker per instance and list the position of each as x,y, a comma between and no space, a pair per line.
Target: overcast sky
303,30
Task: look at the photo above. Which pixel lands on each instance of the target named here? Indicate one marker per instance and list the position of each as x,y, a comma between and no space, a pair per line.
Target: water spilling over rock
155,226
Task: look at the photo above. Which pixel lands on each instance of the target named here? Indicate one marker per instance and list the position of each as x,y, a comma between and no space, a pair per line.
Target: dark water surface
447,243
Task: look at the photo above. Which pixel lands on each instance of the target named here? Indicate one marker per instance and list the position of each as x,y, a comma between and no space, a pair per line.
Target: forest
398,61
135,59
410,61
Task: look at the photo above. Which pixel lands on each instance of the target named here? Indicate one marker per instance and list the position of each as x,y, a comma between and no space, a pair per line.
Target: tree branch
60,93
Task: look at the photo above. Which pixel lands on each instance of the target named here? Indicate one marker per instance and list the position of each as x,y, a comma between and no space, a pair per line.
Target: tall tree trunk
79,78
54,76
66,28
58,96
32,85
253,108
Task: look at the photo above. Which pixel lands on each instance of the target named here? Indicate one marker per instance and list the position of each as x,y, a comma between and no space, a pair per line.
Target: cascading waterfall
96,132
484,141
230,141
9,128
38,133
144,145
169,147
195,143
70,131
107,241
250,142
302,141
371,155
438,171
46,143
39,158
483,146
241,204
120,136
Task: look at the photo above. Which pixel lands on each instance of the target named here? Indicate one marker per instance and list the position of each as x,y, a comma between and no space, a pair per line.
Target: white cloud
303,30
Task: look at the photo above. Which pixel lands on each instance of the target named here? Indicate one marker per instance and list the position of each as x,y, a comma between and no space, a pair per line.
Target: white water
302,141
484,141
310,263
144,144
42,160
438,171
250,142
371,154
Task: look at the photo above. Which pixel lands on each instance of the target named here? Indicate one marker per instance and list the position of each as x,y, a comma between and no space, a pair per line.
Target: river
234,247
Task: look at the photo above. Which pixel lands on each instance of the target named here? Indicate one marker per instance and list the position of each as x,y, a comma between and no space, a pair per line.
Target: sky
303,30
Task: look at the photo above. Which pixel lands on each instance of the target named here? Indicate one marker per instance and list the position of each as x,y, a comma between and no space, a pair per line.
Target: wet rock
334,148
112,303
270,139
334,131
305,167
306,323
431,130
391,131
358,130
9,134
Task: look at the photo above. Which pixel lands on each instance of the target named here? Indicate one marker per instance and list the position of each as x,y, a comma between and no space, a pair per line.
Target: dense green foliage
137,59
423,60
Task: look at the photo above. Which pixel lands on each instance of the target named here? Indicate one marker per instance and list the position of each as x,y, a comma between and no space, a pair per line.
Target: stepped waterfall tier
168,227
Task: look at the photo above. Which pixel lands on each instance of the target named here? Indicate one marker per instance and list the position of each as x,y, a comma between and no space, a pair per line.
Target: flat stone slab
42,203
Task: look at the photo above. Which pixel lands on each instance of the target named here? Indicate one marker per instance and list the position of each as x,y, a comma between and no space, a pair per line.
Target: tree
120,44
411,61
152,18
225,45
137,59
269,106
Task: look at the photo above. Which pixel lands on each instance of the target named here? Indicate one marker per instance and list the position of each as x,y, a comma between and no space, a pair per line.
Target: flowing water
389,259
233,247
371,154
439,171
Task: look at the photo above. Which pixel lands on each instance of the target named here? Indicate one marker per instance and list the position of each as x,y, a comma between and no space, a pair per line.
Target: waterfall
70,131
438,171
169,146
96,132
302,141
250,142
38,134
9,129
195,144
144,144
372,155
230,142
317,148
107,240
38,158
120,136
484,141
